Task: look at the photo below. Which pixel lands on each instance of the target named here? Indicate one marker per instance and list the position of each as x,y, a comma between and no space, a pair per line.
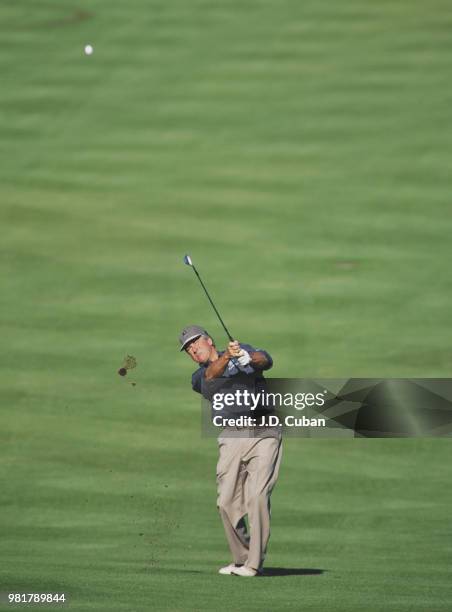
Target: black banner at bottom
328,408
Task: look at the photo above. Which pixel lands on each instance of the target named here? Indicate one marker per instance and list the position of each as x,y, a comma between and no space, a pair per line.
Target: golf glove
244,358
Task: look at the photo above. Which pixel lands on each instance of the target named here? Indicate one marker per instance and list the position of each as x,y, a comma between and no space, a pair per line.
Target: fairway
301,152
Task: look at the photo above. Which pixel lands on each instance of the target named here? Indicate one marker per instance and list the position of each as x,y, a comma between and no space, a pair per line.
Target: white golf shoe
245,571
228,569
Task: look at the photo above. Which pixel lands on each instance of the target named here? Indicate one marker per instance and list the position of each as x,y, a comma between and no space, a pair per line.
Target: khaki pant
247,471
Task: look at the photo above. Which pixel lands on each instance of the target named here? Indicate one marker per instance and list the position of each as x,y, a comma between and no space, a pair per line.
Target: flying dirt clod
128,364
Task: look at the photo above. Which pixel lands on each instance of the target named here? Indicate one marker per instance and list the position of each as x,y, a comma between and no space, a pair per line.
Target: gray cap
189,333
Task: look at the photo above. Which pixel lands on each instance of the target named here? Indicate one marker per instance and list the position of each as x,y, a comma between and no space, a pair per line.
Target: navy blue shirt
233,377
231,369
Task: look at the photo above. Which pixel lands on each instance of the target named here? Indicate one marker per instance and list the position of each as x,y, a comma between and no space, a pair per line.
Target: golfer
249,457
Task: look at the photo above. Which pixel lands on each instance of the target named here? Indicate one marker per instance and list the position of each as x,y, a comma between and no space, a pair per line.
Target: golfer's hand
233,349
244,358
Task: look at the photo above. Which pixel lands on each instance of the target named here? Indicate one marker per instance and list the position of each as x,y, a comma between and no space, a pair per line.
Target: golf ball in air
88,50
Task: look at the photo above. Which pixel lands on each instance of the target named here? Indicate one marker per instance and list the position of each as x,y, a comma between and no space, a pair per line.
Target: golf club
188,261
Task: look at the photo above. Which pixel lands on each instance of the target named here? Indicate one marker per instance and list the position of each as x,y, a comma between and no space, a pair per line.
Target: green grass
301,152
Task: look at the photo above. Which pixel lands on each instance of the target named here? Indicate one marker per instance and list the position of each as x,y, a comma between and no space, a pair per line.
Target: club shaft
213,305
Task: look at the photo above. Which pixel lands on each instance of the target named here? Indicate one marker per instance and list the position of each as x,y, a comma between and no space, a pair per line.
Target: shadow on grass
290,571
268,571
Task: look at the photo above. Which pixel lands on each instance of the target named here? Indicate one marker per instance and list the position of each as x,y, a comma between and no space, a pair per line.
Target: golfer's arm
216,368
259,361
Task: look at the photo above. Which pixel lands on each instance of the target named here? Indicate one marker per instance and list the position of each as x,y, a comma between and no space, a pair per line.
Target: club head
187,260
